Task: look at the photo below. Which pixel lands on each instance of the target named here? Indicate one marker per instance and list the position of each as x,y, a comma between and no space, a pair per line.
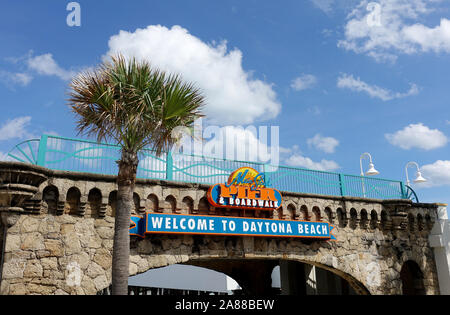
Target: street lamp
370,172
419,178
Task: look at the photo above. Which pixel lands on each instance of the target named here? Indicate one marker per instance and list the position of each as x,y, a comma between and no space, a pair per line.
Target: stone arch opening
373,219
112,203
152,203
291,211
353,218
50,196
73,201
317,216
203,206
136,204
188,205
412,279
304,216
95,203
342,217
329,214
364,219
170,204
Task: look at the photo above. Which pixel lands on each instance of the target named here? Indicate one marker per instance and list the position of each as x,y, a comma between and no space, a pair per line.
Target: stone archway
255,276
412,279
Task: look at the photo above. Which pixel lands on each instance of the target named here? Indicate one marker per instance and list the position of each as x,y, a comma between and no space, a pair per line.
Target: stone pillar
440,242
3,233
6,220
60,207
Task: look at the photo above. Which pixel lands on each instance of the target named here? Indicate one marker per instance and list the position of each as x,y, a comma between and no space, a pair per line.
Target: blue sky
339,79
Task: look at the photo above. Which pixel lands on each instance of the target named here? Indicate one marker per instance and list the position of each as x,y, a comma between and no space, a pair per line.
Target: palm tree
132,104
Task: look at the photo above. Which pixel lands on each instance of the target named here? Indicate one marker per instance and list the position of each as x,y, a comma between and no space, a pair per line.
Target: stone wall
61,240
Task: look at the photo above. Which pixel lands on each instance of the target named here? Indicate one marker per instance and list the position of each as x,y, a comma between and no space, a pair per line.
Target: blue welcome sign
158,223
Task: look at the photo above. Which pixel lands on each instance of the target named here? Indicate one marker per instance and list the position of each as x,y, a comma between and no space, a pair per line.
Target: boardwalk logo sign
245,189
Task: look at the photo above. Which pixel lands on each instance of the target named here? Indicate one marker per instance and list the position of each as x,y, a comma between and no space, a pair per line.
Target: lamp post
370,172
419,178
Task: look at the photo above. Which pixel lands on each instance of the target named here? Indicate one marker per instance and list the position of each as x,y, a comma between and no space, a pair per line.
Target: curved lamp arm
406,170
360,161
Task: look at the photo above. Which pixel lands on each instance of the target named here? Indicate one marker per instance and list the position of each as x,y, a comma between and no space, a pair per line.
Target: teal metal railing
59,153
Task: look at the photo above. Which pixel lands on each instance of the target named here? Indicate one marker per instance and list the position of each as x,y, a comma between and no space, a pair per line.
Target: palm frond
133,104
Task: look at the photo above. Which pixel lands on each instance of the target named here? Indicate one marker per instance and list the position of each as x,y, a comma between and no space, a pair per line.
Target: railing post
402,189
42,150
169,165
342,185
266,176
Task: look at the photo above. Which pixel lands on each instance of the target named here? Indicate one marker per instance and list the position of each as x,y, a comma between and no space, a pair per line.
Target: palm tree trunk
121,248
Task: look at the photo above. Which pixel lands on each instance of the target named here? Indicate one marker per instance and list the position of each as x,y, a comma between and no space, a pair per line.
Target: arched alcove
136,204
291,211
188,205
203,206
304,215
317,215
170,205
353,218
50,196
329,214
364,219
152,203
373,219
412,279
112,203
73,201
95,202
341,217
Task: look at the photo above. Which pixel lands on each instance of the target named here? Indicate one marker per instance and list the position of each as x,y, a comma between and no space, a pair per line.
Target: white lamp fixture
419,178
371,171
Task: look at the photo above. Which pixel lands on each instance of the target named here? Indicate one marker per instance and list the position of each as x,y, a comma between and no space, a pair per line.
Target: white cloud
302,161
436,174
30,65
15,128
417,136
233,96
325,144
324,5
304,82
349,82
15,78
233,143
397,30
435,39
46,65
